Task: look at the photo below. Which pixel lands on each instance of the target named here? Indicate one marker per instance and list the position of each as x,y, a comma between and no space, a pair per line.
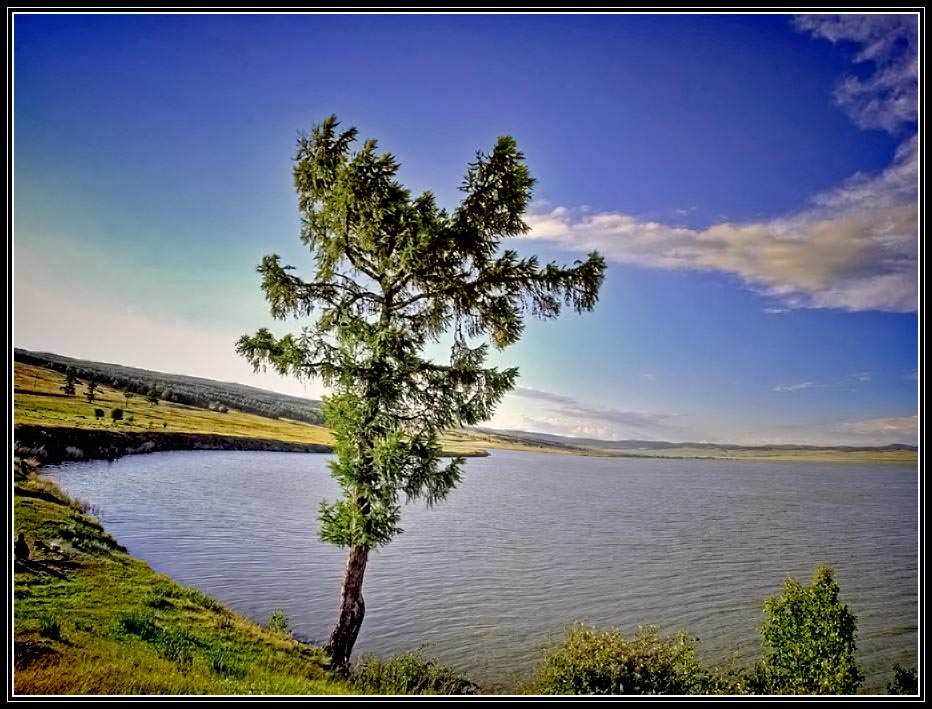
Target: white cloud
795,387
887,97
854,248
568,416
891,429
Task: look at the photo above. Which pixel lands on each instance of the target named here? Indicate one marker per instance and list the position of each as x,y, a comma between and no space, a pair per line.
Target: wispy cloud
776,311
891,429
854,247
887,97
846,382
568,415
796,387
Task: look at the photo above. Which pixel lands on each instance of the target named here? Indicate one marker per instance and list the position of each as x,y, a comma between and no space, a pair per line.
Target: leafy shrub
904,681
278,621
409,673
116,414
728,678
98,413
50,626
592,662
809,640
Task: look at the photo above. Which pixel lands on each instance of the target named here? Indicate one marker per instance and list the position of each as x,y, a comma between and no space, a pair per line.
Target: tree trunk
352,608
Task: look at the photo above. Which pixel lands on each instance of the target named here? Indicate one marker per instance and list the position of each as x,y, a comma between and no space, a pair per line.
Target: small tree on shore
91,391
154,394
71,381
393,274
809,640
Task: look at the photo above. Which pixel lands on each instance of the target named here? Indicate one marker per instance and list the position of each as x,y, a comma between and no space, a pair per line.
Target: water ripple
528,545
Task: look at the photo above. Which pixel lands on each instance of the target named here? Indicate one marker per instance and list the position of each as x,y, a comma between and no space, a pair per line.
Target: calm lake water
528,544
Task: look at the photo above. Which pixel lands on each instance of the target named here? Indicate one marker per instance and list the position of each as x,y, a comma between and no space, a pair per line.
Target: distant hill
181,389
208,393
634,446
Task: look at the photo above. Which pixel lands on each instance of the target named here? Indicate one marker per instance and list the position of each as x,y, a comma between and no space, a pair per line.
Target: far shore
59,444
54,427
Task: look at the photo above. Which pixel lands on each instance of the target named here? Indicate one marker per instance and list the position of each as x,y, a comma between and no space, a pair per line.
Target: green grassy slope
91,619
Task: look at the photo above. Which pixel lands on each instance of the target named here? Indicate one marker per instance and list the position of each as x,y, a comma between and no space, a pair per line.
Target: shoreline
64,444
60,444
54,445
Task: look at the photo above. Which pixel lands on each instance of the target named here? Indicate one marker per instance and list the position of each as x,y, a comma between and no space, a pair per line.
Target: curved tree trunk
352,608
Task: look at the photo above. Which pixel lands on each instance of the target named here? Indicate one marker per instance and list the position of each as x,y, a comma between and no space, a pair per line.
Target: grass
39,400
91,619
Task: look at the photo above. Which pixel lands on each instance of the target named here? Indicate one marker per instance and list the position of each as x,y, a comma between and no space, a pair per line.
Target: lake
528,544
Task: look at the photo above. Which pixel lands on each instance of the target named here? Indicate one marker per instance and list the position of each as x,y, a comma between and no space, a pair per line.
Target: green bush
729,678
904,681
278,621
116,414
809,640
589,661
409,673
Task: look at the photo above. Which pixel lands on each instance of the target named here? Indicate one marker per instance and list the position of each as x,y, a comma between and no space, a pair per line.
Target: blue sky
751,179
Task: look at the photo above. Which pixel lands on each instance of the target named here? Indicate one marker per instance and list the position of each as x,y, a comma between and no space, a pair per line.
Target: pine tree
154,394
393,274
91,391
71,380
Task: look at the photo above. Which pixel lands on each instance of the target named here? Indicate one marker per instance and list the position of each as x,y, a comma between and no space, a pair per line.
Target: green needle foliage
392,274
809,640
91,391
71,380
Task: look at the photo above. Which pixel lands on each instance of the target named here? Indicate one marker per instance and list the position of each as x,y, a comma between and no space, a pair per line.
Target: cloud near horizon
566,415
890,429
854,247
